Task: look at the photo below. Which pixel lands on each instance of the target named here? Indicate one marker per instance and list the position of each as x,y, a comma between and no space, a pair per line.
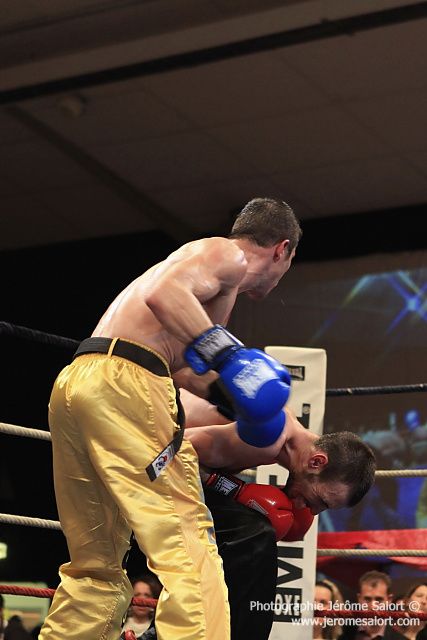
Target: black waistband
124,349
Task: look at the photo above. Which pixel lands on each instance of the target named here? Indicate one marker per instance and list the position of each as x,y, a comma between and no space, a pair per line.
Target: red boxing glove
303,519
271,501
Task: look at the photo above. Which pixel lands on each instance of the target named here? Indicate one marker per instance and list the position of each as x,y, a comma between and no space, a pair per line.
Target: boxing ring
354,545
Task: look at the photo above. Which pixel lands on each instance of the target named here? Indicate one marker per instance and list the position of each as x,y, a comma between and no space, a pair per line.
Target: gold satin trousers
109,419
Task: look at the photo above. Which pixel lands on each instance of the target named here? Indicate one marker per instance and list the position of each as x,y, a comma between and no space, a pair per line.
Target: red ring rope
318,613
49,593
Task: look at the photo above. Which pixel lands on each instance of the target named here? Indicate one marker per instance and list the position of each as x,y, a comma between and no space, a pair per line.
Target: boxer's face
306,489
270,278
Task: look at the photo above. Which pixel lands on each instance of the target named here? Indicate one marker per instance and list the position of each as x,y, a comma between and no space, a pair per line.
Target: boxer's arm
220,447
185,378
200,412
203,270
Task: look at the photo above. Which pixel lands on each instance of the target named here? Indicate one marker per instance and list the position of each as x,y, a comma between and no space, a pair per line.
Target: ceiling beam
239,46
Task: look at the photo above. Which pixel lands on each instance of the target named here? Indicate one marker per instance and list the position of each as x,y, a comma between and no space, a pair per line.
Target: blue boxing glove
261,434
258,384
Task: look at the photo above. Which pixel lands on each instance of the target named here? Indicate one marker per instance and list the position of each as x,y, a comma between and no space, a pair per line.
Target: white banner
297,560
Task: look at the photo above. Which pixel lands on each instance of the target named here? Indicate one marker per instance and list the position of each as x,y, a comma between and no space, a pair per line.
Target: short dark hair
373,577
350,460
267,221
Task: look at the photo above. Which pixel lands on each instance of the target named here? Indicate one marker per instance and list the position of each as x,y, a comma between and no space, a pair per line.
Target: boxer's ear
317,461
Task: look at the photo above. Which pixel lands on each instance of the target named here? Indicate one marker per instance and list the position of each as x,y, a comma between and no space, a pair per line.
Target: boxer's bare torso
176,300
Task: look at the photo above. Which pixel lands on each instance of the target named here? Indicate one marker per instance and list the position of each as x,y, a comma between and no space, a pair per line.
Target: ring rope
17,331
400,473
55,524
15,430
317,612
49,593
355,553
372,391
29,522
368,613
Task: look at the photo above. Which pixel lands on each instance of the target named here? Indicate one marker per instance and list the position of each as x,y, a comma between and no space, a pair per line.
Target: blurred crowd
375,592
392,503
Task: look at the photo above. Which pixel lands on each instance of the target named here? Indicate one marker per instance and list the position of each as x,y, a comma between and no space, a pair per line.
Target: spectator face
141,590
322,600
373,593
420,595
322,597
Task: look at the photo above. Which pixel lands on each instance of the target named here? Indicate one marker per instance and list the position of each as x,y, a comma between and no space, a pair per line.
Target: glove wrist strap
227,485
204,353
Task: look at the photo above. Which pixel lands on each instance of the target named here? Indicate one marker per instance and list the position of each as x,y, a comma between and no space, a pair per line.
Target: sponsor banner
297,560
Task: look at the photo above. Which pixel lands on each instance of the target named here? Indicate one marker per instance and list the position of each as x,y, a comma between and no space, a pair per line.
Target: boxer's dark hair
267,221
350,460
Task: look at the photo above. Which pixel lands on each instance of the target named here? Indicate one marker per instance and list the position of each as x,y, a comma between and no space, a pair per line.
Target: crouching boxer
249,519
325,472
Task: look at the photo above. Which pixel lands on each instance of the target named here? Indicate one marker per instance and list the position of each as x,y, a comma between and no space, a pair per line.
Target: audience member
415,601
139,617
326,594
15,630
375,592
35,631
421,513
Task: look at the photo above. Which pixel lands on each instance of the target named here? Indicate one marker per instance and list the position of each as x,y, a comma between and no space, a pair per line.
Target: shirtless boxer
119,460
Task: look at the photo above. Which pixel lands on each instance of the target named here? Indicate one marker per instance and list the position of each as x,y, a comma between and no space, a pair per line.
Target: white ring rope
400,473
348,553
29,522
15,430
